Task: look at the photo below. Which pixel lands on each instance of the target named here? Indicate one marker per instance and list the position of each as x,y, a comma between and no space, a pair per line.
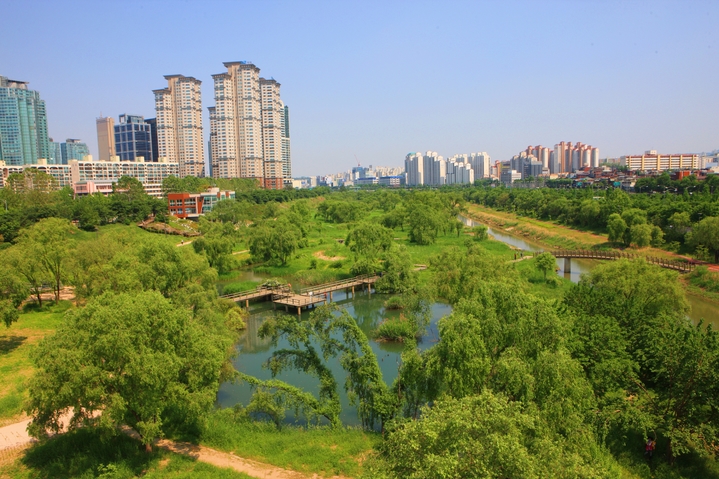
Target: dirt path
321,255
228,460
14,438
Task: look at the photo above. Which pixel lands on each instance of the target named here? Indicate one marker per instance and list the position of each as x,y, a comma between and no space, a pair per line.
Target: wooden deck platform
305,297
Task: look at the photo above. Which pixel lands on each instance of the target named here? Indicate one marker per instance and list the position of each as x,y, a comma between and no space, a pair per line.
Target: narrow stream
700,308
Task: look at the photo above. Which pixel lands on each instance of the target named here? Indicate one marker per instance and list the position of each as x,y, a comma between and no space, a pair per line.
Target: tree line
668,220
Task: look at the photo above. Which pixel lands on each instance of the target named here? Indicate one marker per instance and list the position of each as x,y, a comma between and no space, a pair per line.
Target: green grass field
322,450
16,344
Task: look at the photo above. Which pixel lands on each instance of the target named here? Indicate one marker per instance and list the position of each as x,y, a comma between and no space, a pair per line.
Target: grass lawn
537,285
16,344
322,450
131,232
88,454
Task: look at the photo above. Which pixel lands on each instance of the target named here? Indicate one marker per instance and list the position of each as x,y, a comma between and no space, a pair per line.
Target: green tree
424,224
126,359
617,227
545,263
459,274
706,233
47,241
274,243
369,240
679,224
398,275
684,402
632,217
480,232
312,342
641,235
472,437
589,212
30,268
13,291
657,237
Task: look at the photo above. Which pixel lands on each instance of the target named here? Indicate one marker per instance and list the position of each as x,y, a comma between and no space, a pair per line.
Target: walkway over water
305,297
681,266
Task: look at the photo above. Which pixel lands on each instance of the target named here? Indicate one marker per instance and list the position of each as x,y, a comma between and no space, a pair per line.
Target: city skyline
487,76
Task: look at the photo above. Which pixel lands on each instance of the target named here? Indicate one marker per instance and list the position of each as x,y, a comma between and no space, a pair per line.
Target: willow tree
133,359
326,334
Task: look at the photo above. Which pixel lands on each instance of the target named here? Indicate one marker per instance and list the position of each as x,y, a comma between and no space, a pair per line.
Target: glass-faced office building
133,138
73,149
23,124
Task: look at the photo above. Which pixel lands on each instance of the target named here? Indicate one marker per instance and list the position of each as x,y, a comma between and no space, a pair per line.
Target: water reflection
368,311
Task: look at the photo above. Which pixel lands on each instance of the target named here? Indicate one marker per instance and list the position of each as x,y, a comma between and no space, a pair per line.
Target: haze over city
368,81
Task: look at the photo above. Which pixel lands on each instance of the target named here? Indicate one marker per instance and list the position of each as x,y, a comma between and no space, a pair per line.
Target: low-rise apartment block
193,205
150,175
653,161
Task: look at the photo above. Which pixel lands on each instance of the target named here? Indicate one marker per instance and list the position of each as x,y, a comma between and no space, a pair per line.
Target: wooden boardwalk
681,266
305,297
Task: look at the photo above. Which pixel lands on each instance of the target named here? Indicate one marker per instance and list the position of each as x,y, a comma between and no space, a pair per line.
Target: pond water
700,308
368,311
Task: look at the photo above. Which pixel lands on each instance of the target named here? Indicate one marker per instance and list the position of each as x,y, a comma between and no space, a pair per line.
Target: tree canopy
132,359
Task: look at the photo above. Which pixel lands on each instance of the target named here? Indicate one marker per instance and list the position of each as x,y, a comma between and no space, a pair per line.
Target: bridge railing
337,284
259,291
682,266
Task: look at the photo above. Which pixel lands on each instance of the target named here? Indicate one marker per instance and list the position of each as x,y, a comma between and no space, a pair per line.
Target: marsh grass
238,286
396,329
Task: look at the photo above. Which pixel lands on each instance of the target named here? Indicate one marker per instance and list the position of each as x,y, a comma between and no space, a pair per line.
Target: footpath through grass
87,453
323,450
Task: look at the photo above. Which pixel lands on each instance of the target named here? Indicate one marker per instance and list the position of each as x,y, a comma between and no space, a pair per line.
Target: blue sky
376,80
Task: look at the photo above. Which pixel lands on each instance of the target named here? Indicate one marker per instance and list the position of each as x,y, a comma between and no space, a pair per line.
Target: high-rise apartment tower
179,124
23,124
249,127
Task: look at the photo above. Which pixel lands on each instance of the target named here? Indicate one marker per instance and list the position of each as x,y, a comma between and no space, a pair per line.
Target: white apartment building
414,169
459,173
249,127
179,124
433,169
480,163
272,112
286,151
149,174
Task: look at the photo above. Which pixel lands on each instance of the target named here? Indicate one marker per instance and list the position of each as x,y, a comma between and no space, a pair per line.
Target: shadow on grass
630,454
9,344
47,307
87,453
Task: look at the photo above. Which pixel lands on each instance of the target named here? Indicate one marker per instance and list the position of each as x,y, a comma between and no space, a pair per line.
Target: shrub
398,329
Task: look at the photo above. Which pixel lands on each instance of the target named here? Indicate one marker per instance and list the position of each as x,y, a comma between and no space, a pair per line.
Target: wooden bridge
681,266
305,297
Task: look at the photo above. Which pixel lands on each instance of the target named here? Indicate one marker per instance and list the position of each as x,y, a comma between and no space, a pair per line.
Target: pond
368,311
